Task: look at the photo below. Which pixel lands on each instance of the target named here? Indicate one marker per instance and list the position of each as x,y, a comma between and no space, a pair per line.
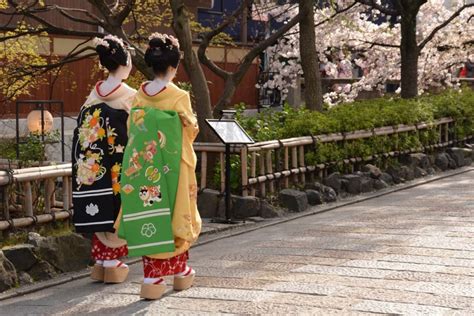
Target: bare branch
207,37
122,15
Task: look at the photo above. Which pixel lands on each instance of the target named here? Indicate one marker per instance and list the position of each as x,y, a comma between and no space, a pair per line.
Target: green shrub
361,115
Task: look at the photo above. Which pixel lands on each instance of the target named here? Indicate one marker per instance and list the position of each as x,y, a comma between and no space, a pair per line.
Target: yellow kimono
186,221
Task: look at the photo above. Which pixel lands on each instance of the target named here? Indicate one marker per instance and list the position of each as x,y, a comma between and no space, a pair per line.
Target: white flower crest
92,209
148,230
163,37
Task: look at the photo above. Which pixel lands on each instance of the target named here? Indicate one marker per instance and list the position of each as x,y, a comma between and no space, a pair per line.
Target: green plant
360,115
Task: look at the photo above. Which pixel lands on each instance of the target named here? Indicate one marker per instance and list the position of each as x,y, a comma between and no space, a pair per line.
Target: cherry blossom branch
442,25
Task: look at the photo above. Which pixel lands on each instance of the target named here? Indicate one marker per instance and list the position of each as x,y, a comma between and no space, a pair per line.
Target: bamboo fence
266,167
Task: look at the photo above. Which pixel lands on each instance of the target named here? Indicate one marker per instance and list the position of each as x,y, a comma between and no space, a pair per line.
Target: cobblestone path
409,252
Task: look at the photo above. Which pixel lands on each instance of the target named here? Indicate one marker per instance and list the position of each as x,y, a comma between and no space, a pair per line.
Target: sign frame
210,121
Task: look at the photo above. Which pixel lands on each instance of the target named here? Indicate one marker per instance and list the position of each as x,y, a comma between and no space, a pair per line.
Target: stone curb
227,232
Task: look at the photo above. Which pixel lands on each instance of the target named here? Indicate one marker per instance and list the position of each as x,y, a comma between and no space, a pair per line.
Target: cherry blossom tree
364,35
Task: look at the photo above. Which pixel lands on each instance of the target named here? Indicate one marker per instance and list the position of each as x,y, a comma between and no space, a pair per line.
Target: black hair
113,56
162,54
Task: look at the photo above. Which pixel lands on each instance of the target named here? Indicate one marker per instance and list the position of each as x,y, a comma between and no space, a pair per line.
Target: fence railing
44,194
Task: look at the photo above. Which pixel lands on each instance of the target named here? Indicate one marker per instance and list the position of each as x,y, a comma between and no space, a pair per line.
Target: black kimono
98,146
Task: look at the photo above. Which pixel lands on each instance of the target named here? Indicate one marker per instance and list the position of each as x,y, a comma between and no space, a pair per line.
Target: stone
380,184
396,174
256,219
419,172
208,203
42,271
431,171
24,278
353,185
269,211
34,239
374,171
314,186
467,161
418,160
66,253
245,206
21,256
442,161
8,275
314,197
293,200
329,194
387,178
407,173
366,184
458,155
334,181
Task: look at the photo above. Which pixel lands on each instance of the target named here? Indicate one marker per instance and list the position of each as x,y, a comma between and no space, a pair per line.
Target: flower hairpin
163,37
100,42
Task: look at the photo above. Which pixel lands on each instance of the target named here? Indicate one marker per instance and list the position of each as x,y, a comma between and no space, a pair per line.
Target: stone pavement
409,252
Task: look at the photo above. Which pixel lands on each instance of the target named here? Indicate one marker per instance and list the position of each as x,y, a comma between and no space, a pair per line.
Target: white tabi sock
114,264
99,262
155,281
187,272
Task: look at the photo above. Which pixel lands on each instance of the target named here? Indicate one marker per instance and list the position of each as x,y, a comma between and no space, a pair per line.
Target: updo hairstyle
162,52
112,52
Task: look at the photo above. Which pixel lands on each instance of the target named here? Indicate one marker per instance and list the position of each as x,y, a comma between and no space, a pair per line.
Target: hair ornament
97,41
163,37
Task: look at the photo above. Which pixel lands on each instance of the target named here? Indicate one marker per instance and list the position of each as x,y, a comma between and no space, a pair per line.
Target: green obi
149,180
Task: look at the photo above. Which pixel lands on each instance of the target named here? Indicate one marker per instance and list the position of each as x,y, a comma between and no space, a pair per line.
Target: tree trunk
225,99
409,51
310,58
202,99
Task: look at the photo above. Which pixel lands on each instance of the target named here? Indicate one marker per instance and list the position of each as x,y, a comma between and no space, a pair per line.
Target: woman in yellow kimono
163,56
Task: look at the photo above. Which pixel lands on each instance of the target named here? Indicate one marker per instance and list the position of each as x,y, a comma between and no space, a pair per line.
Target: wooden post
270,170
253,171
203,169
302,164
294,162
28,199
221,158
286,182
48,194
261,162
66,201
245,177
6,202
446,132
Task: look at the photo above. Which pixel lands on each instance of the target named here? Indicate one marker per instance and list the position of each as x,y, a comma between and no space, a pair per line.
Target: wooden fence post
28,199
253,171
261,163
286,182
244,167
302,164
269,170
294,162
66,201
48,195
203,169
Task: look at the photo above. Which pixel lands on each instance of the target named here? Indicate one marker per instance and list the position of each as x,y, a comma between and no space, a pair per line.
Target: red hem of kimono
100,251
155,268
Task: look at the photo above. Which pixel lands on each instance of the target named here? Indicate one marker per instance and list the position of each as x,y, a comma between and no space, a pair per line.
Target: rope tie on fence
11,224
315,142
70,213
280,143
34,218
53,216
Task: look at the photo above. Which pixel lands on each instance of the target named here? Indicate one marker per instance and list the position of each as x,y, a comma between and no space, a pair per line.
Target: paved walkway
410,252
